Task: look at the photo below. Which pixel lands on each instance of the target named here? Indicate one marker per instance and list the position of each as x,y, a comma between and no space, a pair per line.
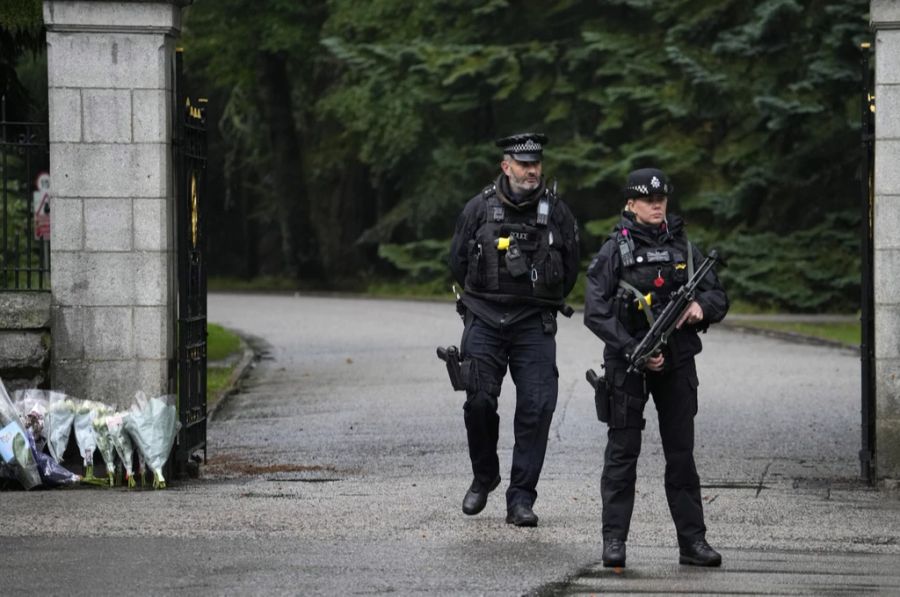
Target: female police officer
648,253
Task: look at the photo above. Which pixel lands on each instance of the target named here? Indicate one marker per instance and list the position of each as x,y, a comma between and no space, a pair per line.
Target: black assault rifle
658,335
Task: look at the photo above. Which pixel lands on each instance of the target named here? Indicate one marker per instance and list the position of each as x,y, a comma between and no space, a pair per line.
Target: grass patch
220,343
846,333
216,378
745,308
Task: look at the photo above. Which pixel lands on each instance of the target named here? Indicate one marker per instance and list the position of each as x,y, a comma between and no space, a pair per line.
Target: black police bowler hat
524,147
646,182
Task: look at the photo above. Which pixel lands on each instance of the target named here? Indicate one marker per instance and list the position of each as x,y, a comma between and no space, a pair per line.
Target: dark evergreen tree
750,107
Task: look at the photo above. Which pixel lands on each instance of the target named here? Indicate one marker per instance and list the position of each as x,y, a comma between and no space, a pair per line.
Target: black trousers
675,396
530,353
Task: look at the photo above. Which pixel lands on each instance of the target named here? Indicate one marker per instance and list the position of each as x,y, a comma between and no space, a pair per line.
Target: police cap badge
646,182
524,147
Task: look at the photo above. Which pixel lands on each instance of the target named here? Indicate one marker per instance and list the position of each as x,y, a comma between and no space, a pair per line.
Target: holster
457,370
601,395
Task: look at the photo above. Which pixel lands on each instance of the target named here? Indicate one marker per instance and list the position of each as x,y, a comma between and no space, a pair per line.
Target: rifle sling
640,298
690,263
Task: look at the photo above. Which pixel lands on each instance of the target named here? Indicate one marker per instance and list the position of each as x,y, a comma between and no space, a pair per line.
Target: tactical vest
649,275
515,253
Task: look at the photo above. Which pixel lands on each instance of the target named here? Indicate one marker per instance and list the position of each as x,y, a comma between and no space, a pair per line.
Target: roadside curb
246,362
788,336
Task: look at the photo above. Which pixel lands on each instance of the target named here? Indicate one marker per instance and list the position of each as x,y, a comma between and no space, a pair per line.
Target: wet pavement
340,466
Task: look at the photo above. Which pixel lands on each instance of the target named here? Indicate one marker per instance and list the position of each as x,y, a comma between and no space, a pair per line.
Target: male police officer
515,251
646,257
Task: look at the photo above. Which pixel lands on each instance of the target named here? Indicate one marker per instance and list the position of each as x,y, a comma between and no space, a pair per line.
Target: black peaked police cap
646,182
524,147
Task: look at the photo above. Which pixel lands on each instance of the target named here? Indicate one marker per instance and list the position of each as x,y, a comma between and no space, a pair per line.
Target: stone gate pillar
885,16
110,78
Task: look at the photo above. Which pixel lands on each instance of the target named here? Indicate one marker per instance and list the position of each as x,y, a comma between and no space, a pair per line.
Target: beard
523,185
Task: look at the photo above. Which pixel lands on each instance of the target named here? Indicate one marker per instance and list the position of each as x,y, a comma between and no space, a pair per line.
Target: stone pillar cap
114,16
884,14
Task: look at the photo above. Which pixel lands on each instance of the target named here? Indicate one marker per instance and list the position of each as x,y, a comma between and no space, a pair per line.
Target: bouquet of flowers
32,406
121,441
105,445
85,413
58,423
15,449
153,424
52,473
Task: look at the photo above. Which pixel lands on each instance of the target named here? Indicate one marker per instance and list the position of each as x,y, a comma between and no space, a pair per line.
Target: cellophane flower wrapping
8,412
85,413
153,424
105,445
121,441
32,406
52,473
58,423
17,454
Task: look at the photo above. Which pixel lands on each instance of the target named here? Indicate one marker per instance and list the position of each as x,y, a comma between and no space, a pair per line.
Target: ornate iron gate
190,221
25,193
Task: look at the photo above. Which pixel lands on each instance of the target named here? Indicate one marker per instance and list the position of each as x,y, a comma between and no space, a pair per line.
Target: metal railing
25,194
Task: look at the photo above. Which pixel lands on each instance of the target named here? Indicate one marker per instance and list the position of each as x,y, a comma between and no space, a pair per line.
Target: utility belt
463,372
619,398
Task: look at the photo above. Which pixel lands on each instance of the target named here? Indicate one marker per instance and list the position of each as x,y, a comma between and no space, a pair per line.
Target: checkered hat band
523,147
645,190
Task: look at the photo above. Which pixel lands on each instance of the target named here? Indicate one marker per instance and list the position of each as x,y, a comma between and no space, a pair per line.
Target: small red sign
42,207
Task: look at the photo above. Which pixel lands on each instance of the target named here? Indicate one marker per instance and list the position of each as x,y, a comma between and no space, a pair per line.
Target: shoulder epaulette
493,209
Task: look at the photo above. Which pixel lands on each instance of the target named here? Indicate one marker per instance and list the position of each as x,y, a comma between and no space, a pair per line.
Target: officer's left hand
693,314
655,363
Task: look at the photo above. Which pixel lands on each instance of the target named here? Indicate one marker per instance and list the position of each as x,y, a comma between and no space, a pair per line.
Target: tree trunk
291,201
249,237
348,211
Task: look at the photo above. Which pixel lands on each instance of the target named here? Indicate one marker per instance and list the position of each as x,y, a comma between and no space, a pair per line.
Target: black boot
477,496
521,516
613,553
699,553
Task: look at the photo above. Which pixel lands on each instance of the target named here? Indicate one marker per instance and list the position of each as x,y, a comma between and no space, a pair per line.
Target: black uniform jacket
504,310
602,314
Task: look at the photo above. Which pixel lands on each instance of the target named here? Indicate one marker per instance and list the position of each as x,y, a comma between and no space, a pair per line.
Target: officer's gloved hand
691,316
655,363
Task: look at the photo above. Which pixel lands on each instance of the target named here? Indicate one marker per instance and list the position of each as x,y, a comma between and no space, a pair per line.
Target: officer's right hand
655,363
